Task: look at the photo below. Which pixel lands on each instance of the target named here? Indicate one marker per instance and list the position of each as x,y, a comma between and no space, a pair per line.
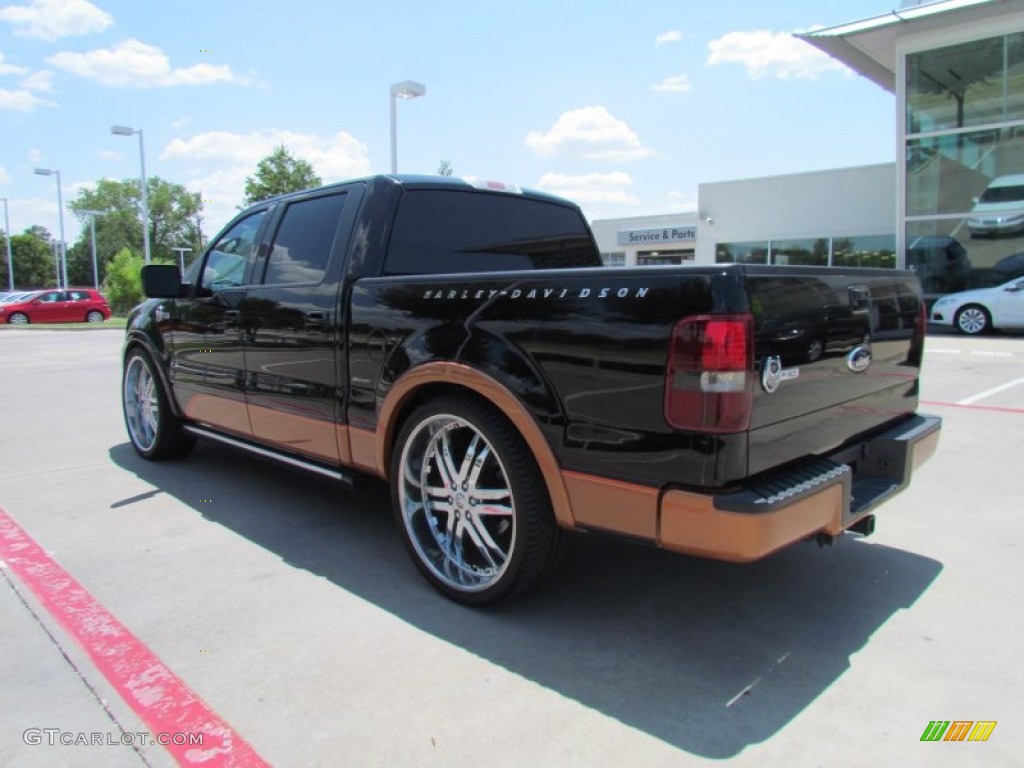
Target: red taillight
709,376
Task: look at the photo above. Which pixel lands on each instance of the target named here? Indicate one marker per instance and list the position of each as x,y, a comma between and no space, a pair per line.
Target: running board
267,453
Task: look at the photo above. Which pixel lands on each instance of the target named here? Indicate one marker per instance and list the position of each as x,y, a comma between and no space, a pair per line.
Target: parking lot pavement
289,607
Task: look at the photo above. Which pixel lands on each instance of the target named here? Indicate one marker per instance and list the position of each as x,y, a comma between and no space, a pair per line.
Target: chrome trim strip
269,454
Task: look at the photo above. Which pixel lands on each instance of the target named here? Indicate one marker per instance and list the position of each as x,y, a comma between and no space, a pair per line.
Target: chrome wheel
18,318
456,503
972,320
141,406
94,316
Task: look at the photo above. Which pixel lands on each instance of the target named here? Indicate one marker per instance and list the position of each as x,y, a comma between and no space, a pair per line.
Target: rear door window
304,241
439,231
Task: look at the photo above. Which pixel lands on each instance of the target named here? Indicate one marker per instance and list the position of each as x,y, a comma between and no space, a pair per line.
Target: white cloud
36,156
38,81
675,84
5,177
21,100
220,161
592,190
54,19
677,201
771,54
108,154
134,64
592,132
10,69
673,36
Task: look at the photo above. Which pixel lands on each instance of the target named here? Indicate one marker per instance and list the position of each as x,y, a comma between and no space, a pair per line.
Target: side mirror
161,281
1013,288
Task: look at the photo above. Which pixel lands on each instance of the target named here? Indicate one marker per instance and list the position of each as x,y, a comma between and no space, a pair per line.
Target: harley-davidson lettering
773,374
452,294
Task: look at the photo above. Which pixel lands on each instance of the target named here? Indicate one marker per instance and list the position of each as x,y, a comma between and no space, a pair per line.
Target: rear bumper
822,495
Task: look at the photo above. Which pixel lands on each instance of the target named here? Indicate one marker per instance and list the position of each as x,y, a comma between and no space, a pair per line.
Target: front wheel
472,504
972,320
154,430
18,318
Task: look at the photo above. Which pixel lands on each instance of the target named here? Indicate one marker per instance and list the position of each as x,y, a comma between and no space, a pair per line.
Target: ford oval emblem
859,360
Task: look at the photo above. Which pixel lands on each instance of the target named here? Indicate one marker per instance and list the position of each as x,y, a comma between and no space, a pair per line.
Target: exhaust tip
865,526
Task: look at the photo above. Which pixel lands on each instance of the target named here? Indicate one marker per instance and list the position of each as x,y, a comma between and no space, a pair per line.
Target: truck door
292,322
208,361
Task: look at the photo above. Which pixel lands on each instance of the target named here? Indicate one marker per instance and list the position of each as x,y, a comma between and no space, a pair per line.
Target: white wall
834,203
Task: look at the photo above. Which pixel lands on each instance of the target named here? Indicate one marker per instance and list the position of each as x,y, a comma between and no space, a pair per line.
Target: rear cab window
443,231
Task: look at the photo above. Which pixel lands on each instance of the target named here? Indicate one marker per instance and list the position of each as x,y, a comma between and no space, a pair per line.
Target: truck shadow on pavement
707,657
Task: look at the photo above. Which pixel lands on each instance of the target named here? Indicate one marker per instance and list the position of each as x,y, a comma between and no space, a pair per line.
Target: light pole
124,130
407,89
7,238
181,256
62,263
92,226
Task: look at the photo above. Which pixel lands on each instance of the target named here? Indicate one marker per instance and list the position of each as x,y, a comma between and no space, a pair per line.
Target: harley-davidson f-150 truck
462,341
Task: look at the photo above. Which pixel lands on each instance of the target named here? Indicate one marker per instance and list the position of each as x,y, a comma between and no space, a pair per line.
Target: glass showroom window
614,259
964,191
804,252
871,251
742,253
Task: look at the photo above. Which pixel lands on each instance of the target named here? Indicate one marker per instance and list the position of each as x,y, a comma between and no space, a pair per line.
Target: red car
73,305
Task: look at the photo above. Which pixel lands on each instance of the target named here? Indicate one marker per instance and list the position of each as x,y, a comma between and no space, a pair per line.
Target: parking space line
997,408
166,705
990,392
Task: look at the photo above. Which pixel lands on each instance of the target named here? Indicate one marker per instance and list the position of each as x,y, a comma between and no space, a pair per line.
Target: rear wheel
155,431
973,319
472,504
18,318
94,316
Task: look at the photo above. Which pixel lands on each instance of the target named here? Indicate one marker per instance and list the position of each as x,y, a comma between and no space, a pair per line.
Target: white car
1000,209
978,311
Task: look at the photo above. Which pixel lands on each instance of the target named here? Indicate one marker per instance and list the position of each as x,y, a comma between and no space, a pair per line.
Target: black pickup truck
462,341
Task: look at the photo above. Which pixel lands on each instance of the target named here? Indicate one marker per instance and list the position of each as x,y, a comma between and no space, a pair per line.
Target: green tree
279,173
32,254
173,221
123,283
445,168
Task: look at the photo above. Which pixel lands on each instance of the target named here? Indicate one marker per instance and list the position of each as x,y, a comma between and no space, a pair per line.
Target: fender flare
497,395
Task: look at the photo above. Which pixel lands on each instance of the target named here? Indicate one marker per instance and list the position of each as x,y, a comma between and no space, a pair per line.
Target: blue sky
624,108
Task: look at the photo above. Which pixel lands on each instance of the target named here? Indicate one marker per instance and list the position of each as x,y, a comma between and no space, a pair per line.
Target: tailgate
837,354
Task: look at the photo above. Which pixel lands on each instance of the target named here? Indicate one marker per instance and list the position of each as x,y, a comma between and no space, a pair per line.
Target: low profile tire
973,320
471,502
18,318
94,317
154,430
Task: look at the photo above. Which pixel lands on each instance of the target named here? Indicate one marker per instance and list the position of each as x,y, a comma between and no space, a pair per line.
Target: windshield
1012,194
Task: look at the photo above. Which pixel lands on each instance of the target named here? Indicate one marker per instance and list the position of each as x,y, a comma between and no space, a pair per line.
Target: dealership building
952,204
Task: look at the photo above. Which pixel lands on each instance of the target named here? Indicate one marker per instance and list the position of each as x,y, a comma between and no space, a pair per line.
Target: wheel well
420,396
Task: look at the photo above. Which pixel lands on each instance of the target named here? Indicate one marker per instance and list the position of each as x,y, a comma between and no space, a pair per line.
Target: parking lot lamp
124,130
92,227
407,89
62,260
7,239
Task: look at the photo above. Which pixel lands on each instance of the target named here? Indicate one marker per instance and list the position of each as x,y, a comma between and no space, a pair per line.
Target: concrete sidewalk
53,696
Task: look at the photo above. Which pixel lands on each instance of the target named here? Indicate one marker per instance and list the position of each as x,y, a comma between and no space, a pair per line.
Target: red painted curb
166,705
